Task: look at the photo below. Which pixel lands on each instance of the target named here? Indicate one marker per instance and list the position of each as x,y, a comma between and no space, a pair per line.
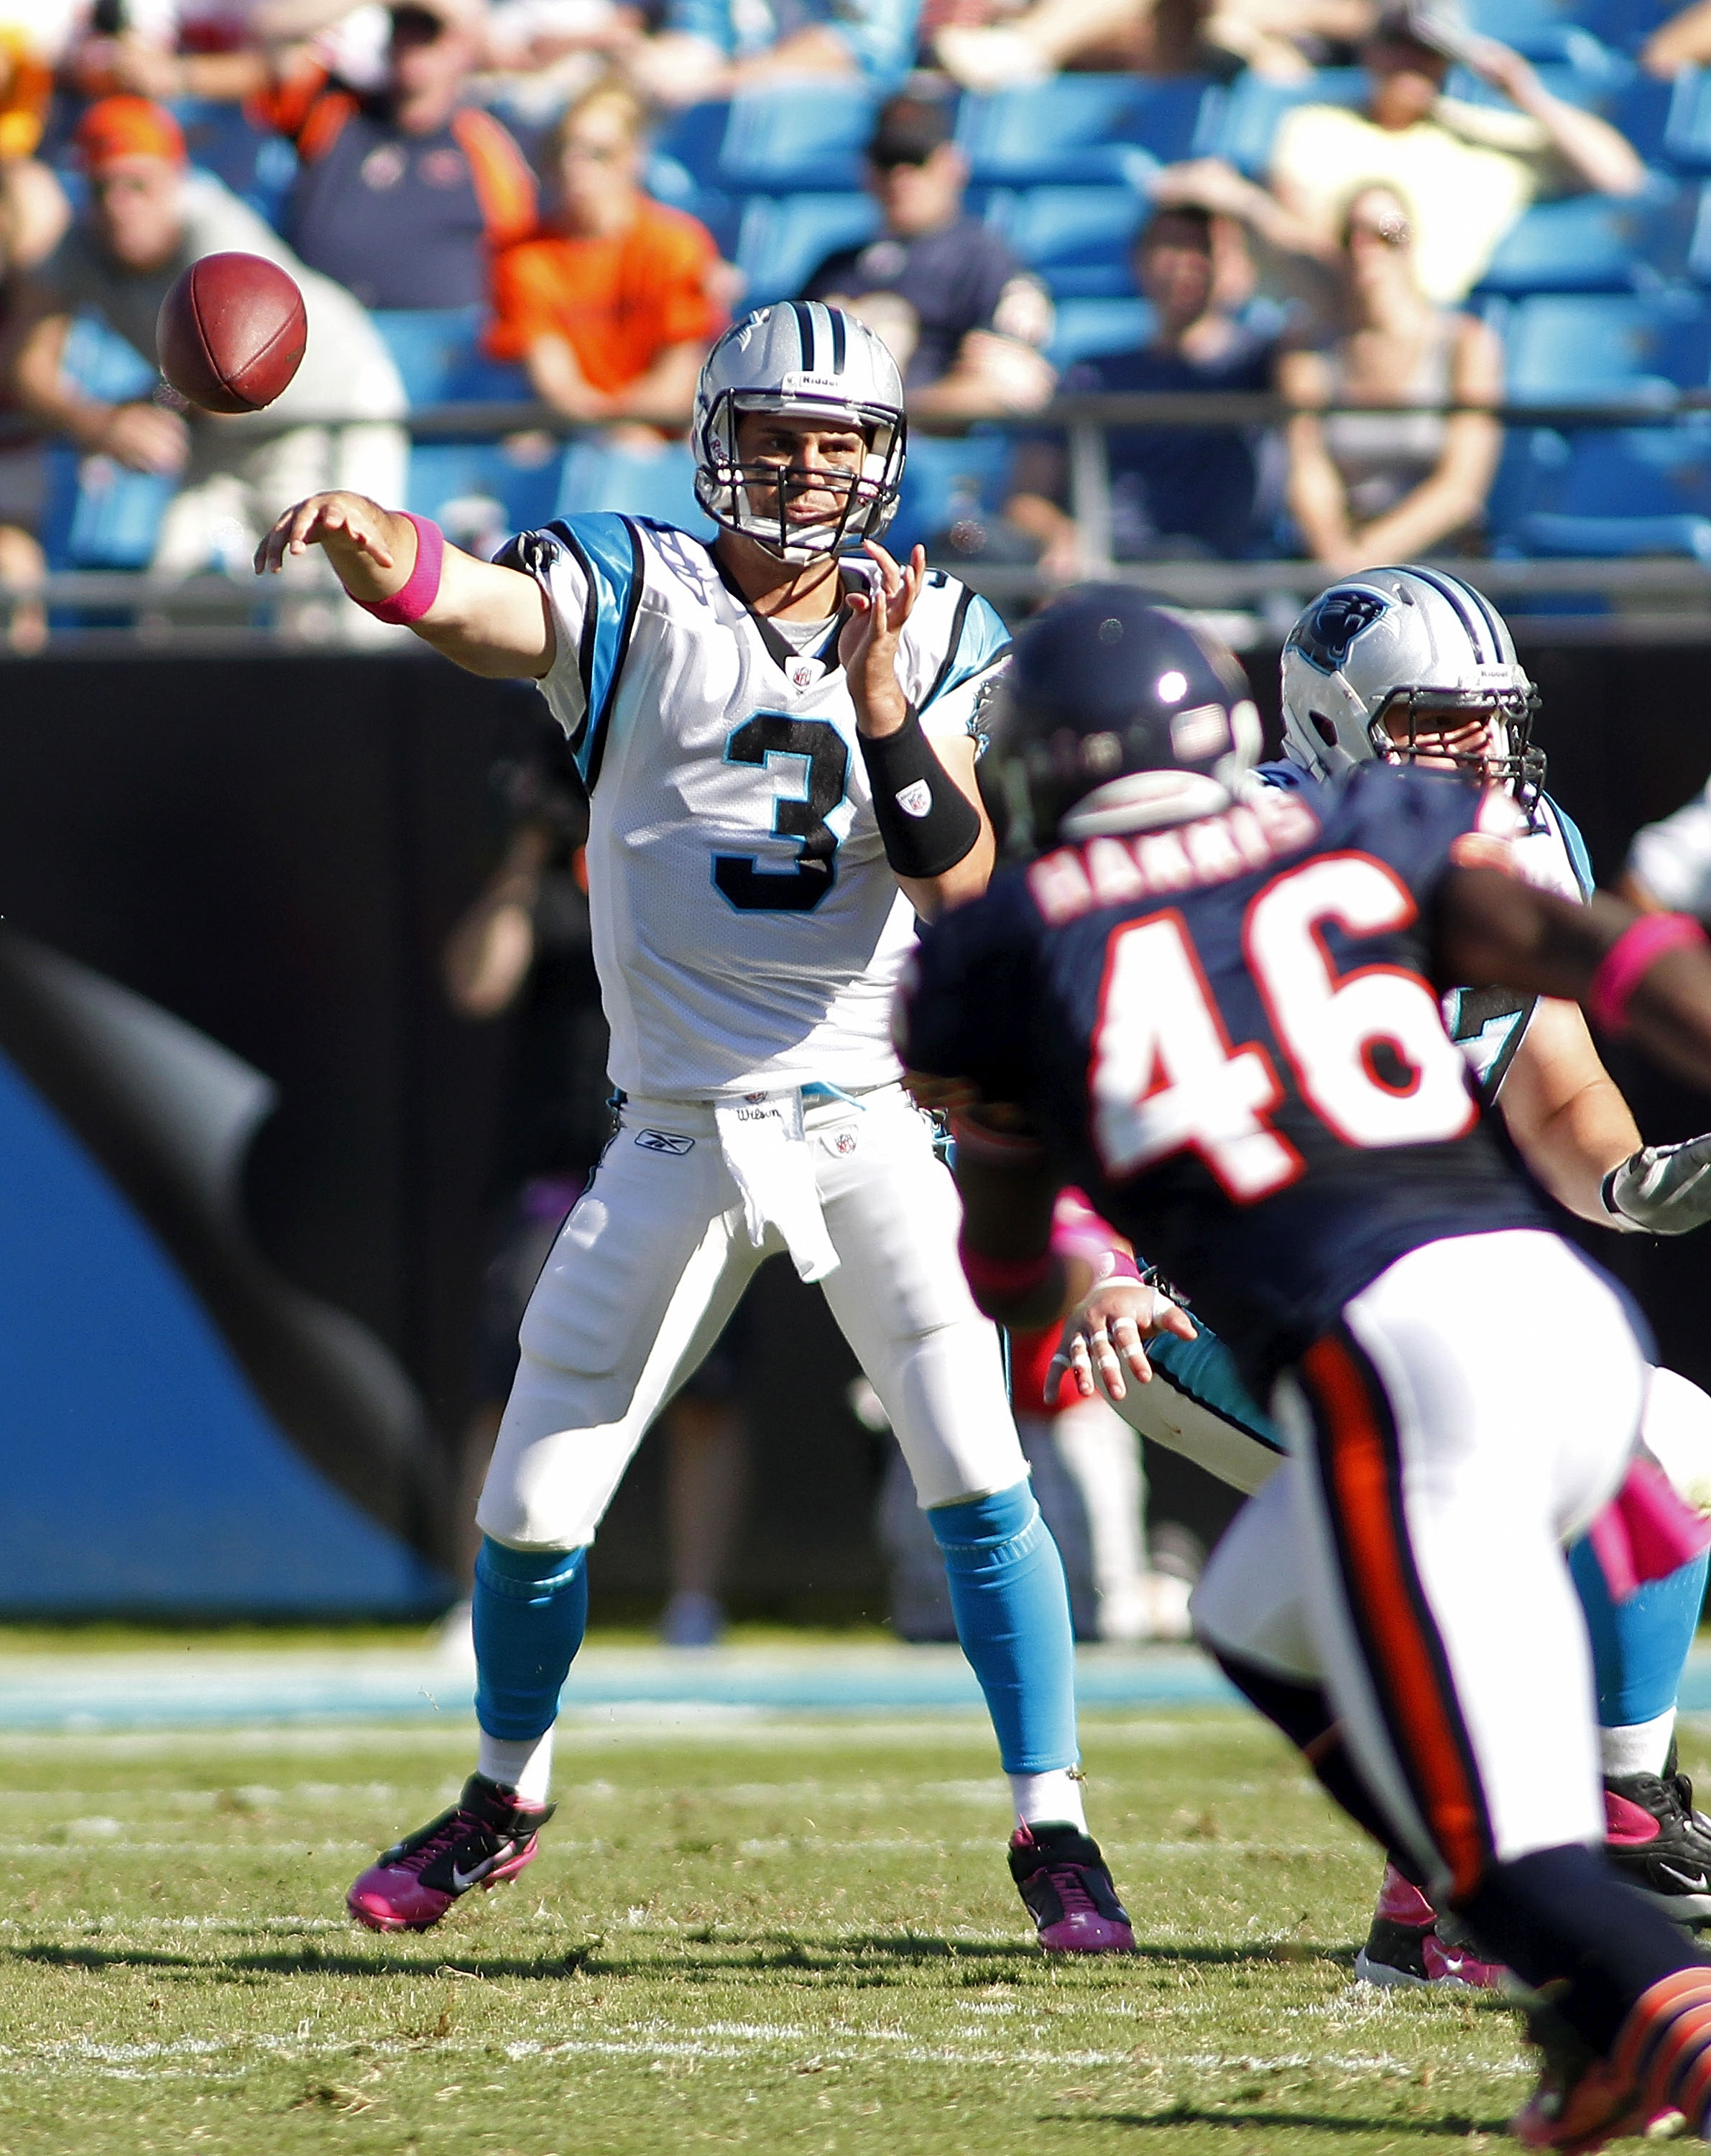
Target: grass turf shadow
863,1958
1455,2125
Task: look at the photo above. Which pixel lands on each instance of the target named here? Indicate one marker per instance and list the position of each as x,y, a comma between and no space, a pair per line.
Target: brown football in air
231,332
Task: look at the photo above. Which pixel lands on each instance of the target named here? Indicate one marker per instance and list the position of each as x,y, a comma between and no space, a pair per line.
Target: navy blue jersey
1227,1034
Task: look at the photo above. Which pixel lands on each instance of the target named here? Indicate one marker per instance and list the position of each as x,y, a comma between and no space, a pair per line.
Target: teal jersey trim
1578,859
1204,1370
607,549
977,640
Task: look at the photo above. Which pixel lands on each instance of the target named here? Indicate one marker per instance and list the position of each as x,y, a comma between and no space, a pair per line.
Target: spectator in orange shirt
611,308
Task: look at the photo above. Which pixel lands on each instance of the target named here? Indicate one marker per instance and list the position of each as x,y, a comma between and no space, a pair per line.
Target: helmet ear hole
1324,728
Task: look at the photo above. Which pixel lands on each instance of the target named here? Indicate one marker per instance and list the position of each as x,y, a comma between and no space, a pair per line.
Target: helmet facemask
1505,758
755,498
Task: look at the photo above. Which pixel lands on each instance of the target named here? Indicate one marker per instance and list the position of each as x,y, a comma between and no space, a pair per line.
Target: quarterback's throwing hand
1102,1336
349,525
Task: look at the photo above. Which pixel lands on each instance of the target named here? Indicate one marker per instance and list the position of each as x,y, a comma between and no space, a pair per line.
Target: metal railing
1651,598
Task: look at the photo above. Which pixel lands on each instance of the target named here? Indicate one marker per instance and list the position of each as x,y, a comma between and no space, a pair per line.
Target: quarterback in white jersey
779,746
747,928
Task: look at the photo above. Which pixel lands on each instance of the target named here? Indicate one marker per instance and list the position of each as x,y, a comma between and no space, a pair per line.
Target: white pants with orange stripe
1477,1406
654,1258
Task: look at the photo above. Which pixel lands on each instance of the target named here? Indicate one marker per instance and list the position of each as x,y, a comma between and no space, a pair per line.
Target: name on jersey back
1117,871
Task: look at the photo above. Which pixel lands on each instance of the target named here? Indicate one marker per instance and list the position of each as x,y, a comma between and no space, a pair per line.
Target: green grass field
779,1936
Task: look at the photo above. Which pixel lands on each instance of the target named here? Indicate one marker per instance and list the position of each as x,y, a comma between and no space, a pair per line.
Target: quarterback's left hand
1664,1189
868,646
1104,1332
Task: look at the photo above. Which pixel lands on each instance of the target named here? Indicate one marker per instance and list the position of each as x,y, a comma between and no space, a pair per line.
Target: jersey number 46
1367,1050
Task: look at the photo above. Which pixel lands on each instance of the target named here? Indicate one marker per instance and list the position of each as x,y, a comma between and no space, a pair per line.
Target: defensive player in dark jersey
1220,1018
1415,664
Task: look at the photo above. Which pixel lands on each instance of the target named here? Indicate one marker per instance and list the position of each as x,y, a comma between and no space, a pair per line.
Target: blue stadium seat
1623,25
662,486
1077,238
692,140
1596,244
1081,129
1586,347
482,492
437,350
100,516
782,241
1686,133
1640,108
1531,464
796,139
946,479
1631,490
253,163
1242,130
670,182
1088,328
1537,28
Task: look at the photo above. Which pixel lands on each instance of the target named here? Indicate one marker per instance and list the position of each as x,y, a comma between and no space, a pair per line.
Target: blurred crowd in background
1352,203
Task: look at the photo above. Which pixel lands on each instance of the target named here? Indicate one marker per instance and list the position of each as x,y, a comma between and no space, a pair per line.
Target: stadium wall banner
180,1427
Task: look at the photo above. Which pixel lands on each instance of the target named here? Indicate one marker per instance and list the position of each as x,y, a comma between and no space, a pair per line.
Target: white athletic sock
526,1767
1056,1795
1640,1749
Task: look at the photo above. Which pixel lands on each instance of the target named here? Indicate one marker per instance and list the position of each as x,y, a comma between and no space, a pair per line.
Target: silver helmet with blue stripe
1408,664
811,363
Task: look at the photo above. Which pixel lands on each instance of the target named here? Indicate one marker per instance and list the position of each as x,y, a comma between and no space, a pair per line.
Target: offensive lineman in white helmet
779,746
1414,665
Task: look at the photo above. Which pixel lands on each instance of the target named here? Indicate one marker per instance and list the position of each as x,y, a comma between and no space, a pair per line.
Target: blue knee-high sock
529,1612
1011,1605
1639,1645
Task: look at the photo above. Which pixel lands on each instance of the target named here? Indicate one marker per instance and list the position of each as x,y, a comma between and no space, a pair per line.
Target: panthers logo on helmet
1323,636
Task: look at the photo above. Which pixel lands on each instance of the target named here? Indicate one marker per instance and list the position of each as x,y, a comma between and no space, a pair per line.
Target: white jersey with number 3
748,929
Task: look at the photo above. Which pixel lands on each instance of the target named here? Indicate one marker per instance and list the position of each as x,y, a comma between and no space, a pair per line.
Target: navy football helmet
1119,715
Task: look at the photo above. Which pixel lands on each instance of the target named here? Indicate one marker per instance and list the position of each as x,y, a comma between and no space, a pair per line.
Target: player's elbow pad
926,820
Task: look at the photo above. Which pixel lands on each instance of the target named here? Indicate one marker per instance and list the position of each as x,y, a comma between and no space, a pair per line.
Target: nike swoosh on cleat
1696,1883
462,1880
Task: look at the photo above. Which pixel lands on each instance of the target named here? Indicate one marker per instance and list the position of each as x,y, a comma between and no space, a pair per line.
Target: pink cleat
488,1835
1069,1890
1409,1943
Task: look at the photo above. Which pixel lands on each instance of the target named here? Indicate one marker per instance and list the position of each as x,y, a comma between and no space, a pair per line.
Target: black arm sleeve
927,821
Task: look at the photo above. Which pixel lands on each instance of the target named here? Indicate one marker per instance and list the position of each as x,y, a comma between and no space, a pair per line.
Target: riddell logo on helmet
812,385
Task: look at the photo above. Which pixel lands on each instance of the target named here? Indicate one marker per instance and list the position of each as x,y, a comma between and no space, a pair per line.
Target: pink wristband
1628,960
1004,1277
418,594
1078,1232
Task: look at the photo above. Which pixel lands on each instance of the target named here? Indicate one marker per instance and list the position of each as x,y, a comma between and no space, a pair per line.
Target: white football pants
1478,1406
650,1264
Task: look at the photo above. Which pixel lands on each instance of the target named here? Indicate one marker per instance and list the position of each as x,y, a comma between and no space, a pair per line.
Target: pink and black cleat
1069,1890
488,1835
1410,1943
1659,1843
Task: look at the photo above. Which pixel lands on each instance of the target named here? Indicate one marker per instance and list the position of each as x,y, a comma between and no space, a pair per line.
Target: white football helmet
1417,636
812,361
